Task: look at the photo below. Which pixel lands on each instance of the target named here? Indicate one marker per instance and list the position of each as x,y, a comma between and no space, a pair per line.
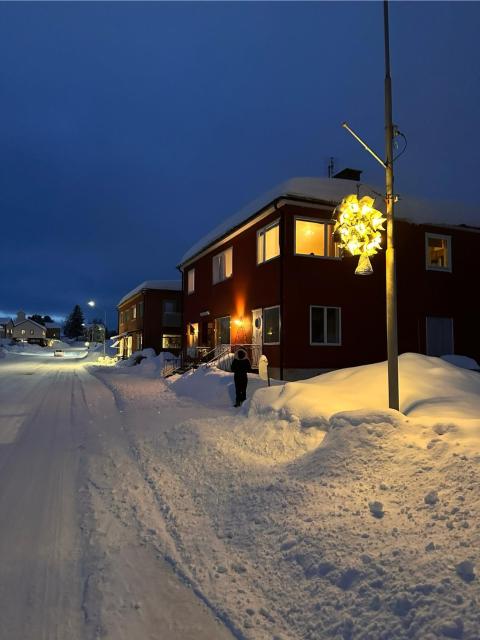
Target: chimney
349,174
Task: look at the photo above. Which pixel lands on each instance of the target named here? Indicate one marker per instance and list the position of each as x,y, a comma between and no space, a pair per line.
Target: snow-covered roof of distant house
331,191
53,325
16,324
166,285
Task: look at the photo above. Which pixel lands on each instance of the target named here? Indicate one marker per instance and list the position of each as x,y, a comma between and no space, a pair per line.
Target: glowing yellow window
268,242
315,239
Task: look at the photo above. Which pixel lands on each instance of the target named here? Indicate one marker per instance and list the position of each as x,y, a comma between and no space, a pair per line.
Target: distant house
53,330
6,327
30,331
150,316
273,277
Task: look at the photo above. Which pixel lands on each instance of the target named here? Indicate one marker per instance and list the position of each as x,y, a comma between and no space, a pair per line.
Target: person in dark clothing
240,367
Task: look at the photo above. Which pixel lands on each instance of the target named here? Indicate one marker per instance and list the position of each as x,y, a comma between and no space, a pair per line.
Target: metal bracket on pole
346,126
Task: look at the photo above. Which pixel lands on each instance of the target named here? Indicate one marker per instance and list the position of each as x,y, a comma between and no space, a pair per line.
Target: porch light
359,226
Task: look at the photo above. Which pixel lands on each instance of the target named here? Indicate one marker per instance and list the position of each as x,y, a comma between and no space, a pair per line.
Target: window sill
325,344
441,269
224,280
312,255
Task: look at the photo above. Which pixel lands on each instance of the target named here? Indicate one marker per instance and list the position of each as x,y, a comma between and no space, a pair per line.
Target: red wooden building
150,316
272,276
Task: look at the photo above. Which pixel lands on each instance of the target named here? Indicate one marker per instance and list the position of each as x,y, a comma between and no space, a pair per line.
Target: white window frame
265,341
263,231
326,223
192,273
439,236
214,281
325,333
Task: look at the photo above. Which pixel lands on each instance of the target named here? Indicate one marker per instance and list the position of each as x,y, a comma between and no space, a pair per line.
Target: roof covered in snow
165,285
330,191
37,324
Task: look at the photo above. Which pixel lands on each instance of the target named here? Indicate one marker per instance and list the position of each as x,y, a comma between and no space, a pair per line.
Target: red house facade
273,277
150,316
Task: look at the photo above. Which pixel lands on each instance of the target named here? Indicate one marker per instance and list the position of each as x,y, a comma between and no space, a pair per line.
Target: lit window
191,281
438,252
23,332
222,265
171,341
325,325
134,312
268,242
315,239
271,325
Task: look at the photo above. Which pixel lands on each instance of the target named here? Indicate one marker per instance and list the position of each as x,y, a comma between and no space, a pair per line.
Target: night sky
128,130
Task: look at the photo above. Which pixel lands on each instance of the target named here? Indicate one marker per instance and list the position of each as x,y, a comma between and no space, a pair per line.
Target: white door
257,332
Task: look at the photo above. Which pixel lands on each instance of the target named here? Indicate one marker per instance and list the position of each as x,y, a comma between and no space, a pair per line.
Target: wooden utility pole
391,279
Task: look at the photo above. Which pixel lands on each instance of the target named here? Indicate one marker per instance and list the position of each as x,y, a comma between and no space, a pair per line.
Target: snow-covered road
72,565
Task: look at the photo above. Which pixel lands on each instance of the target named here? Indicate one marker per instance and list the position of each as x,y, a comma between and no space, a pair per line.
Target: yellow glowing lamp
358,226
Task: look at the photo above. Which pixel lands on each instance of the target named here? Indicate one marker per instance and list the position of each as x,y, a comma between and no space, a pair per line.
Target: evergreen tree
74,324
40,319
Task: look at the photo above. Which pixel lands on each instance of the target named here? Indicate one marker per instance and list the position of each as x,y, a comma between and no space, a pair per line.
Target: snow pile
212,386
320,513
429,387
462,361
147,362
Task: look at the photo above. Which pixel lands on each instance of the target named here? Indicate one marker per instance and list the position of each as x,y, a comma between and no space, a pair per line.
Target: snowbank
462,361
429,387
210,385
146,362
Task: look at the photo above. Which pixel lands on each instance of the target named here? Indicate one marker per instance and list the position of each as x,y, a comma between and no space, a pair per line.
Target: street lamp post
390,270
92,303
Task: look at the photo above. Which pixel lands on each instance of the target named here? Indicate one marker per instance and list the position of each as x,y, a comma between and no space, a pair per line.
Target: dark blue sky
127,130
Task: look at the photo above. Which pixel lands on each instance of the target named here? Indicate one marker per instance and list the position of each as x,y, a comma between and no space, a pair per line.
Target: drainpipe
183,352
283,245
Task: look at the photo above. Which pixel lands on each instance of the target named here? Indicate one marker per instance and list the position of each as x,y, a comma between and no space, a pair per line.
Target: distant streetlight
391,284
92,304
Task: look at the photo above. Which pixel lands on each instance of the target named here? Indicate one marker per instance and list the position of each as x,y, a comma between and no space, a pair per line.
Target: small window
121,317
32,332
314,238
23,332
325,325
191,281
222,265
271,325
268,242
438,251
134,312
140,309
171,341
